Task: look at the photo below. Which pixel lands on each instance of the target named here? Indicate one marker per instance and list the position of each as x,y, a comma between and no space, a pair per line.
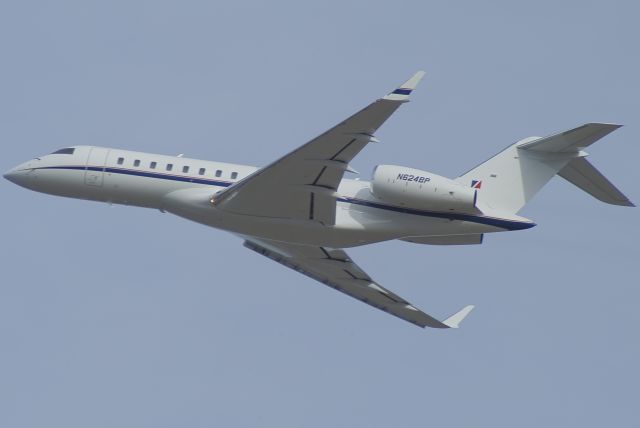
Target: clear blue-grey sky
125,317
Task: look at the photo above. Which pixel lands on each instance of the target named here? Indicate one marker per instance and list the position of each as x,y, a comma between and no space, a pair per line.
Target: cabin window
120,161
136,162
218,173
234,175
153,165
201,171
185,169
66,151
169,166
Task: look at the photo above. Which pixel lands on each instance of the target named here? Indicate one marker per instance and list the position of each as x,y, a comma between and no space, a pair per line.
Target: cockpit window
67,151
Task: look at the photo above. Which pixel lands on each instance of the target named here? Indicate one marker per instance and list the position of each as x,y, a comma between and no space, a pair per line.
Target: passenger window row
169,167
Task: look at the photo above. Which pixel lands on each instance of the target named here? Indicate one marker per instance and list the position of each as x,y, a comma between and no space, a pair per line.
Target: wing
302,185
334,268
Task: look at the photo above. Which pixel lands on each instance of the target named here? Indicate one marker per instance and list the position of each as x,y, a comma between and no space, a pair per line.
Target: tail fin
507,181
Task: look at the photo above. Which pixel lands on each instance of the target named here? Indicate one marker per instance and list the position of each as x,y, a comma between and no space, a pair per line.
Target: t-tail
509,180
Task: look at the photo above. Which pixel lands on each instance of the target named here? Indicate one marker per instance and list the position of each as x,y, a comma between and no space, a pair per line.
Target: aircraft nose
20,175
10,175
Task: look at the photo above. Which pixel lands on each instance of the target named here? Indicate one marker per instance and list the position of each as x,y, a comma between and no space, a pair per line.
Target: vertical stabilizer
510,179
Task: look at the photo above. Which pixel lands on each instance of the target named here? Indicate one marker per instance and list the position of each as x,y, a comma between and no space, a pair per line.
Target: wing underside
334,268
302,184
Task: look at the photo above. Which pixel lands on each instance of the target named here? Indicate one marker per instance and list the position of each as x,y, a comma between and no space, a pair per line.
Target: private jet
301,212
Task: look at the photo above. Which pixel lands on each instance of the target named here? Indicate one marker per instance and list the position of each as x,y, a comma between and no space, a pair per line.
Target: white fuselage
184,187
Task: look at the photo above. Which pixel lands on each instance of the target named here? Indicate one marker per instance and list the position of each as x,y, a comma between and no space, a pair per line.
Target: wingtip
403,91
413,82
454,320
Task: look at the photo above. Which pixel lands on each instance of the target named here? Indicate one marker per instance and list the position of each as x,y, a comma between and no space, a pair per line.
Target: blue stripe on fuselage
147,174
490,221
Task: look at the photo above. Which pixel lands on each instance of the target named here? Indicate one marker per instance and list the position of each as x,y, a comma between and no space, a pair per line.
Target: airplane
301,212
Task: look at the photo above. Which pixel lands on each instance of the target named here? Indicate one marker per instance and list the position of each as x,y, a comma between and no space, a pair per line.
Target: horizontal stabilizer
572,140
454,320
584,175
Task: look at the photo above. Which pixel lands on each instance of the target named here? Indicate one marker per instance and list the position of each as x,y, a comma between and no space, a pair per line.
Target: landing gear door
94,172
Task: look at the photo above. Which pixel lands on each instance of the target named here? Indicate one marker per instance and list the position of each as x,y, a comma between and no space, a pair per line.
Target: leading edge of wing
373,116
335,269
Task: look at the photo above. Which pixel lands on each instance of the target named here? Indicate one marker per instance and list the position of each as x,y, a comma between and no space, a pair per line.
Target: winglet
402,93
454,320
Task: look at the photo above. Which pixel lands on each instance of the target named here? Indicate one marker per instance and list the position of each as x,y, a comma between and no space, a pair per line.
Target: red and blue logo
476,184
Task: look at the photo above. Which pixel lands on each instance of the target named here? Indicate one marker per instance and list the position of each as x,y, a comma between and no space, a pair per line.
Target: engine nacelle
418,189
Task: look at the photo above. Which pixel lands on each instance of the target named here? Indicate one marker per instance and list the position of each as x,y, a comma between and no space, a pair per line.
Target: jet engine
418,189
